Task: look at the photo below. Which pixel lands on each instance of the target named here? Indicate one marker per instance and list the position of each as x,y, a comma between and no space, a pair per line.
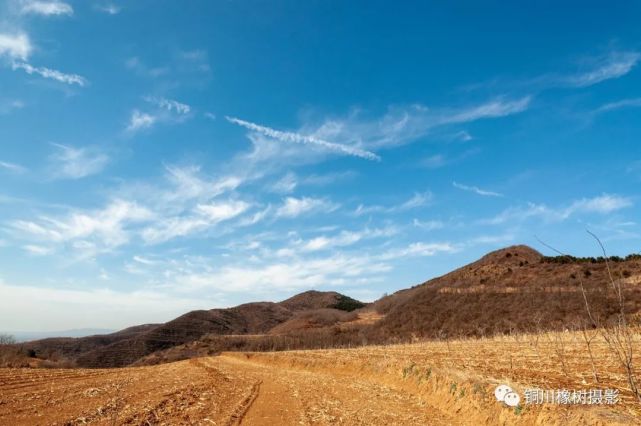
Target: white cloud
51,74
203,217
476,190
15,46
136,65
294,274
328,178
303,139
492,109
169,105
624,103
46,8
417,200
294,207
491,239
610,66
76,163
187,184
7,106
343,239
167,111
107,227
185,203
407,124
220,211
140,120
37,250
419,249
144,261
110,9
603,204
12,167
463,136
173,227
256,217
429,225
434,161
286,184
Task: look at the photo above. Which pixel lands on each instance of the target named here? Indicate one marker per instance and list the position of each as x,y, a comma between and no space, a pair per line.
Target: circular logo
512,399
501,391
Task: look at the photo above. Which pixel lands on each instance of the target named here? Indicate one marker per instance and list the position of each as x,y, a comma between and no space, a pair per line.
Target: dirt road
219,390
296,397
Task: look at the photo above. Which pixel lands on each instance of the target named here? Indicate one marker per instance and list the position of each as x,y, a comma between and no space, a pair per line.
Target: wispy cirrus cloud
268,276
419,249
290,181
15,46
202,217
166,111
603,204
417,200
610,66
136,65
402,125
429,225
140,120
88,231
51,74
76,163
476,190
109,8
169,105
305,139
592,70
187,183
343,239
293,207
624,103
46,8
12,167
286,184
37,250
7,106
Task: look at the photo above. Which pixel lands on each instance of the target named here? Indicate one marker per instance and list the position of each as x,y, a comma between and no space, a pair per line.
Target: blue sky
163,156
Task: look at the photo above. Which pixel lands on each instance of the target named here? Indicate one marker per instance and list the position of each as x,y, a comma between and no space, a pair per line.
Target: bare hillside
510,290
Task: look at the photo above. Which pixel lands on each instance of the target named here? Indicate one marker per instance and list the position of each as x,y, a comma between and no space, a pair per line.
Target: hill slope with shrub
125,347
515,289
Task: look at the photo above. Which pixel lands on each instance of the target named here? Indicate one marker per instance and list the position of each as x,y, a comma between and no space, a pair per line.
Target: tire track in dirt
181,393
293,397
239,413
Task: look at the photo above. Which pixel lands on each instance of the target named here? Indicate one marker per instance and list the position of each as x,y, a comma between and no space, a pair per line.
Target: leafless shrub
589,334
7,339
557,342
617,332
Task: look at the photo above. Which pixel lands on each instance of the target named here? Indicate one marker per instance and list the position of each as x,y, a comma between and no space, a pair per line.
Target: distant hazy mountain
26,336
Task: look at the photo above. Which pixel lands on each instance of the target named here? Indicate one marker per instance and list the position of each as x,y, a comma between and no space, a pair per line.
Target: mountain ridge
513,289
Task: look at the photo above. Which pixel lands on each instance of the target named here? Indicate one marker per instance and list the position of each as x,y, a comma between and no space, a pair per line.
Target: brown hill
510,290
313,299
314,318
126,346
